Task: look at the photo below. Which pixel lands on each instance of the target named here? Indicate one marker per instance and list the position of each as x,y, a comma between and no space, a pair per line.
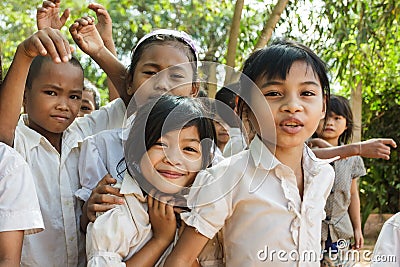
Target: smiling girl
170,141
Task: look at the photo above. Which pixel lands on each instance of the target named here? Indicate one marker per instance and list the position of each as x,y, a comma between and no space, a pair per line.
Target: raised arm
377,148
104,27
44,42
47,16
87,37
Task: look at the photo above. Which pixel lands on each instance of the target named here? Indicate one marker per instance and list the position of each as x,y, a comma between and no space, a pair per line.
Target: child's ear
323,113
195,89
129,81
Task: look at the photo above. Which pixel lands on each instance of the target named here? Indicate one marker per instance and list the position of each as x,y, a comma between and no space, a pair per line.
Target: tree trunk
233,40
266,32
356,107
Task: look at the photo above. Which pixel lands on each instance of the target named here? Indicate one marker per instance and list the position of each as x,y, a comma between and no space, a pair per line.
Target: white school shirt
19,206
387,248
116,235
56,180
256,199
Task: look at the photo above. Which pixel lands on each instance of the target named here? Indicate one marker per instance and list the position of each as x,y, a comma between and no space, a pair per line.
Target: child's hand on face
104,24
162,218
86,36
47,42
47,15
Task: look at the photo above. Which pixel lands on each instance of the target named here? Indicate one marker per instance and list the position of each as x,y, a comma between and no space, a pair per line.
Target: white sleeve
91,168
110,116
110,238
387,247
19,205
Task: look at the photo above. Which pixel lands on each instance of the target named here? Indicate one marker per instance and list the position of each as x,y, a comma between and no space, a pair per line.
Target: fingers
65,16
389,142
107,180
49,4
48,42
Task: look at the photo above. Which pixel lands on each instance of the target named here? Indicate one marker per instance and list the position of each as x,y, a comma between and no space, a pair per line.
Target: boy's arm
354,213
47,15
44,42
104,27
187,249
87,37
10,248
378,148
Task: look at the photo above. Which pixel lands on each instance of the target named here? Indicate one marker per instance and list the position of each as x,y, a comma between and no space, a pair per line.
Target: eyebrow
269,83
55,87
191,140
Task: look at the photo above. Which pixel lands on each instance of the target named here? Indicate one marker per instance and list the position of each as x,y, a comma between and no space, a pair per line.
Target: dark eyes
191,149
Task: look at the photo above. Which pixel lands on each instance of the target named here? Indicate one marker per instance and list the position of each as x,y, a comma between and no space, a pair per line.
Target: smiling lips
170,174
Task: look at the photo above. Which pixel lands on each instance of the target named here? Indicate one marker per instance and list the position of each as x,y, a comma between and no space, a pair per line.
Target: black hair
162,39
225,103
90,87
161,115
341,106
36,67
275,61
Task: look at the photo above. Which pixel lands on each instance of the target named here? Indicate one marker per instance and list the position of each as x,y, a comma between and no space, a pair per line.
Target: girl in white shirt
270,198
169,142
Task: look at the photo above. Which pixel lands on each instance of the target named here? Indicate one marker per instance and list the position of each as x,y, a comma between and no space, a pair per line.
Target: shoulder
10,160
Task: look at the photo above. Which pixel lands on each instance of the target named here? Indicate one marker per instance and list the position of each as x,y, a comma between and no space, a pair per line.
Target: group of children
137,183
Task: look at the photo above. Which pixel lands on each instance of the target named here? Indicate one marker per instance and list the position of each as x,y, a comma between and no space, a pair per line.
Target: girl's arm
373,148
47,16
354,212
10,248
187,249
87,37
44,42
163,224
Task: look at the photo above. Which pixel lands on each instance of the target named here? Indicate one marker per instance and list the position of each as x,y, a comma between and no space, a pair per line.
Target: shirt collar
70,138
130,186
261,155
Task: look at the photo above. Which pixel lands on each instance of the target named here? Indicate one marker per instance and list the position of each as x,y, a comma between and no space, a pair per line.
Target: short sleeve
19,205
358,168
108,239
210,204
91,168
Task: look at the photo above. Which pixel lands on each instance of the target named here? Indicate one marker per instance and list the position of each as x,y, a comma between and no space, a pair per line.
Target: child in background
343,219
163,61
270,197
90,98
170,141
48,137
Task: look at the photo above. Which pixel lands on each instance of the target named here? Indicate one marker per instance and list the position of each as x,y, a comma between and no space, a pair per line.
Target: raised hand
47,16
47,42
86,36
104,24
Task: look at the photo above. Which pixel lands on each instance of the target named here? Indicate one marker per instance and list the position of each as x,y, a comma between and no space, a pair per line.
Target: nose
329,121
62,104
173,156
162,82
292,105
